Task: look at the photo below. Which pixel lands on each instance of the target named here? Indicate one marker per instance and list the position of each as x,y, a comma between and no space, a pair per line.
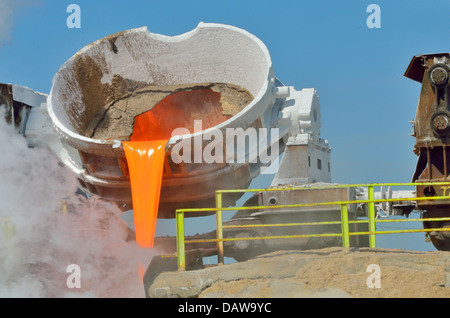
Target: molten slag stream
145,164
145,152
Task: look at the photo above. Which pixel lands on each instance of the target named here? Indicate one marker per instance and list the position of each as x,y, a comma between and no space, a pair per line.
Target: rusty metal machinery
432,133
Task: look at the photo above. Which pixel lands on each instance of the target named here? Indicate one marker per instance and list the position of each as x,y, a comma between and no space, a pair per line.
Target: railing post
344,224
219,229
64,208
371,196
8,229
181,257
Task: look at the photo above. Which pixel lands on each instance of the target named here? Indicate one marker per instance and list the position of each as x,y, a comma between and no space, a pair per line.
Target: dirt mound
331,272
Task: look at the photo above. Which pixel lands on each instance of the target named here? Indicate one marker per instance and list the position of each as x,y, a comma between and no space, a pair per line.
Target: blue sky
367,104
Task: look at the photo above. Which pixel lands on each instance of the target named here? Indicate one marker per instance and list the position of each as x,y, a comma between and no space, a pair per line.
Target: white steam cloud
7,10
38,241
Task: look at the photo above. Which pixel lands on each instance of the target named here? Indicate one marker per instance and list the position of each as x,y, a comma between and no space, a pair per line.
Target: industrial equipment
432,133
98,93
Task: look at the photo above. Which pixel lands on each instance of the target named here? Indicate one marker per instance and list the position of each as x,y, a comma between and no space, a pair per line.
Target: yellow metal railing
344,222
8,229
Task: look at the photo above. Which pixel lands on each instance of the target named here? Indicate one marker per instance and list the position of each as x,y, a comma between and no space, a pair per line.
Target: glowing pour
145,152
145,164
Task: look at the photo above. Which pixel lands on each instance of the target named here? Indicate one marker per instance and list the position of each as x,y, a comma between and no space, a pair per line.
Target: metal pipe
345,231
274,207
371,196
253,238
335,187
280,224
231,239
219,228
313,235
414,220
404,231
181,259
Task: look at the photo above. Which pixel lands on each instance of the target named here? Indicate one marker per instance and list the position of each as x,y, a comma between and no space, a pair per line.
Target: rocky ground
331,272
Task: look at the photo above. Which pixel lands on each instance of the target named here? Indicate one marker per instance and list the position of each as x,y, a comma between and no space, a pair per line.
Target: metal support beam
219,228
180,241
344,224
371,197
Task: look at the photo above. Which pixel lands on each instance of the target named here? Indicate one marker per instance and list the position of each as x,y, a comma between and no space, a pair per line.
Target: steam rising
38,241
7,10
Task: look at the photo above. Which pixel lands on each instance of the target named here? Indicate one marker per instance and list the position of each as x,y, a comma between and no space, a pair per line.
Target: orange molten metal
145,162
145,152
